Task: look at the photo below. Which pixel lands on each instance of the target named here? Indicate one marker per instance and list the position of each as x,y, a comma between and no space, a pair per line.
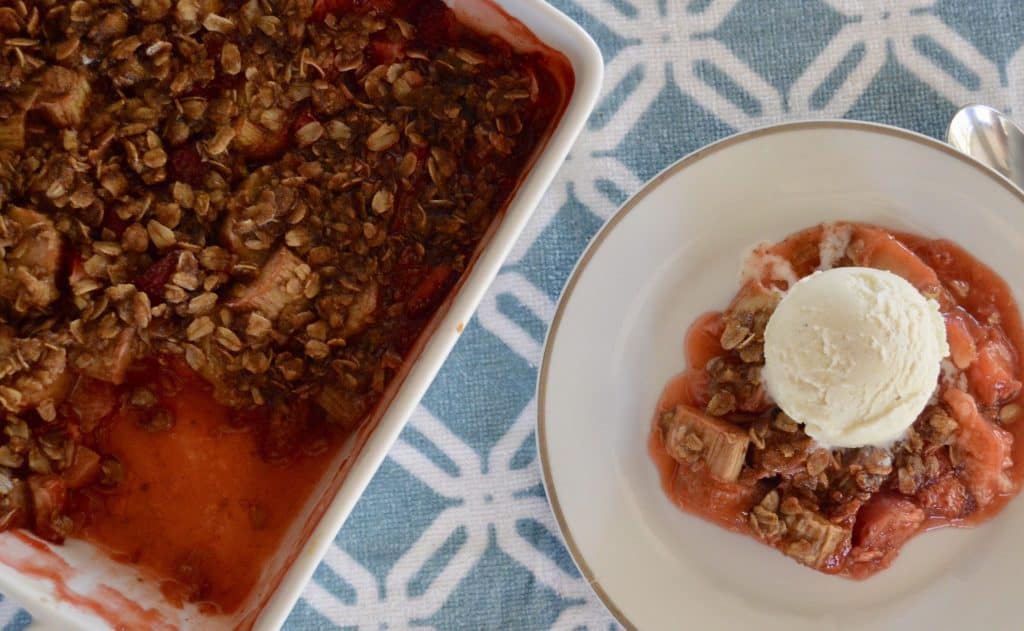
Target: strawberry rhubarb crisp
862,386
223,226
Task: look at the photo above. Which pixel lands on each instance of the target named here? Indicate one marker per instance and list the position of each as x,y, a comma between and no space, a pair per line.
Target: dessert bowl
77,585
673,252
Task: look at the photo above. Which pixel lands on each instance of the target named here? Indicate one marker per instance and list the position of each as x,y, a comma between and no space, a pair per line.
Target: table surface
455,531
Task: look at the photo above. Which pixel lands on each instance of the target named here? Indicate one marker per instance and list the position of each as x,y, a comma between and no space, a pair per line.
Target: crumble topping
277,195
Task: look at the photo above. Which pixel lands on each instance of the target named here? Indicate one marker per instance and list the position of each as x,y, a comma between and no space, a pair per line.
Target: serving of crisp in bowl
782,388
237,242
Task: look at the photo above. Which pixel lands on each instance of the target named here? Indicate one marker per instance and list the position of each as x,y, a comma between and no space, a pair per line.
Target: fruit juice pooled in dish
863,386
224,227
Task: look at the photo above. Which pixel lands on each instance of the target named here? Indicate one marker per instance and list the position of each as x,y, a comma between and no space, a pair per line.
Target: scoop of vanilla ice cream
853,353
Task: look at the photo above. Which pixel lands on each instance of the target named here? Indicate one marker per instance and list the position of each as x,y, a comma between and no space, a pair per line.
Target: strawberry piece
185,165
727,503
92,400
981,447
303,117
84,469
429,290
383,51
879,249
947,497
321,8
702,340
114,223
993,375
435,24
76,269
884,524
48,494
962,349
157,275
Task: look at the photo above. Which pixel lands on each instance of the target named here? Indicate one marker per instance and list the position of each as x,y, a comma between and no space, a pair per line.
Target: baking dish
78,586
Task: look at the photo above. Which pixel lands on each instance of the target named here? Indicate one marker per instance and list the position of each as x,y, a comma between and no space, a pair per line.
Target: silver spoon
990,137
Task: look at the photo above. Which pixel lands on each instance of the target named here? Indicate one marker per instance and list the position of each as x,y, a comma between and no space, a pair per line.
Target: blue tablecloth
455,531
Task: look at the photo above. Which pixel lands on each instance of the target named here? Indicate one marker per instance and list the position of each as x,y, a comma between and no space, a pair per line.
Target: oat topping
274,195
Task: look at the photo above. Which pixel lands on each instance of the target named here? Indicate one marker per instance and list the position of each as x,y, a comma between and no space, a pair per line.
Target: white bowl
674,252
77,586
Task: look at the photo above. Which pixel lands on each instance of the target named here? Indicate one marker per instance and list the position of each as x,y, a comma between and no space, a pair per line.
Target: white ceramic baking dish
77,586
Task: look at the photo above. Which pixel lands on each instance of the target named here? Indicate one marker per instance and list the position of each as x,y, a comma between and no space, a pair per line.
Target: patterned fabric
455,531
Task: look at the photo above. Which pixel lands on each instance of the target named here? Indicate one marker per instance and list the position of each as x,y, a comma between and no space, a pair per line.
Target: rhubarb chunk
280,283
752,299
692,435
260,142
12,132
32,372
342,406
29,282
48,494
360,312
62,96
811,539
111,360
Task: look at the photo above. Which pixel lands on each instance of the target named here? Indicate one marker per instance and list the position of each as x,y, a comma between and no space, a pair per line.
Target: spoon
990,137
